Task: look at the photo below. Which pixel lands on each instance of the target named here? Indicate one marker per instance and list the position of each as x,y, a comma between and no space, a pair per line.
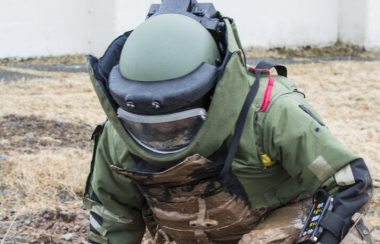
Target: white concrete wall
359,23
58,27
43,27
281,23
260,23
352,21
373,25
102,25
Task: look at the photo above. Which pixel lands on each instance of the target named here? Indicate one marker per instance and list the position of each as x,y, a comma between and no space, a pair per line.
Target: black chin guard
165,96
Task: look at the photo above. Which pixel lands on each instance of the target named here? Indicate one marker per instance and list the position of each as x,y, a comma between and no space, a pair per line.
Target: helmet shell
166,47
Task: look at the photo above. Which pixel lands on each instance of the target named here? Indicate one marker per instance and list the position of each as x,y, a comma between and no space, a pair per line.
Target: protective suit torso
264,185
285,153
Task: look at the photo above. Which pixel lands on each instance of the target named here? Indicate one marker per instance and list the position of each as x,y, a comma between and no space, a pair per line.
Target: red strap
268,94
268,90
252,68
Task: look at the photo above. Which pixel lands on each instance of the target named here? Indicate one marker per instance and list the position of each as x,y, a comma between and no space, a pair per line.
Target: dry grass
46,175
67,97
337,50
44,179
68,59
347,94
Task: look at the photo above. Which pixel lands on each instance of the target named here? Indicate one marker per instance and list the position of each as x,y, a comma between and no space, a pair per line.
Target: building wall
101,28
290,23
352,21
43,27
373,25
261,23
57,27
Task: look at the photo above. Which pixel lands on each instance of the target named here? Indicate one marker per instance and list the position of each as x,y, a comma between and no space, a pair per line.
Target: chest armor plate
192,204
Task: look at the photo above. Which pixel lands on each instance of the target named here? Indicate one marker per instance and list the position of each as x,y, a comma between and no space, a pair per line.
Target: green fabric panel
87,202
233,43
276,185
331,186
236,34
119,233
264,187
117,193
114,190
114,232
297,139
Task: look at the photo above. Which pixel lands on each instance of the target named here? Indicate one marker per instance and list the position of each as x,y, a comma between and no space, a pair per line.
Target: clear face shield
163,134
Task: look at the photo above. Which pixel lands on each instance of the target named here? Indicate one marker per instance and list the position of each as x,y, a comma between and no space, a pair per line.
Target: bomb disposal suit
199,148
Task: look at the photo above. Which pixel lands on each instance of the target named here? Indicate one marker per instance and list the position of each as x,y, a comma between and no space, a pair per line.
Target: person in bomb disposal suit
198,148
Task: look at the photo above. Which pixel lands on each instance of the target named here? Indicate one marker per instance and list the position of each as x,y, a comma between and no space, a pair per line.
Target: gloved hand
327,238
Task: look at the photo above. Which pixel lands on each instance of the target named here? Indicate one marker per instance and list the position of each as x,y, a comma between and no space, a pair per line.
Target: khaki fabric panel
345,176
321,168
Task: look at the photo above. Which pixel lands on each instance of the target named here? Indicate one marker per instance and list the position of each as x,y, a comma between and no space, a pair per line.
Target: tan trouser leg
281,226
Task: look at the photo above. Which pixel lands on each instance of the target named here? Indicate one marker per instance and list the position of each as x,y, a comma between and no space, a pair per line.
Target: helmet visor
163,134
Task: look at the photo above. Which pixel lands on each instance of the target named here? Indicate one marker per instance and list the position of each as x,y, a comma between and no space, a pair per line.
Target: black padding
98,130
333,223
94,62
204,13
143,166
169,95
103,66
173,6
112,55
351,199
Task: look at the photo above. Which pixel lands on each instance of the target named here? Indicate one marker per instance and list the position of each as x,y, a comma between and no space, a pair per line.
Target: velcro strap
364,231
333,223
267,65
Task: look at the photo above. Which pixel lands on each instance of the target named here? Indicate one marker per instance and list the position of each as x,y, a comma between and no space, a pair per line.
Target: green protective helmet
178,99
165,47
168,68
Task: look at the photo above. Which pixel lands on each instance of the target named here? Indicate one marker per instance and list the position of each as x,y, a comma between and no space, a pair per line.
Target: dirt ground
48,111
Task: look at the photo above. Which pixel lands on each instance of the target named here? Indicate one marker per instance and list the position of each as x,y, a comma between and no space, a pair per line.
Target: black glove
328,238
347,201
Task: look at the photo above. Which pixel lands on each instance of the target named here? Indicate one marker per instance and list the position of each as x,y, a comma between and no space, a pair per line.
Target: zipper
306,110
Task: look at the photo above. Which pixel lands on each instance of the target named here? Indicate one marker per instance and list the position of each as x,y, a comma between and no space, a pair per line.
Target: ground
48,111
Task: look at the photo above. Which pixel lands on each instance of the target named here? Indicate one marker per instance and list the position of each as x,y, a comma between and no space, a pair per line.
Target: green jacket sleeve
298,139
116,204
